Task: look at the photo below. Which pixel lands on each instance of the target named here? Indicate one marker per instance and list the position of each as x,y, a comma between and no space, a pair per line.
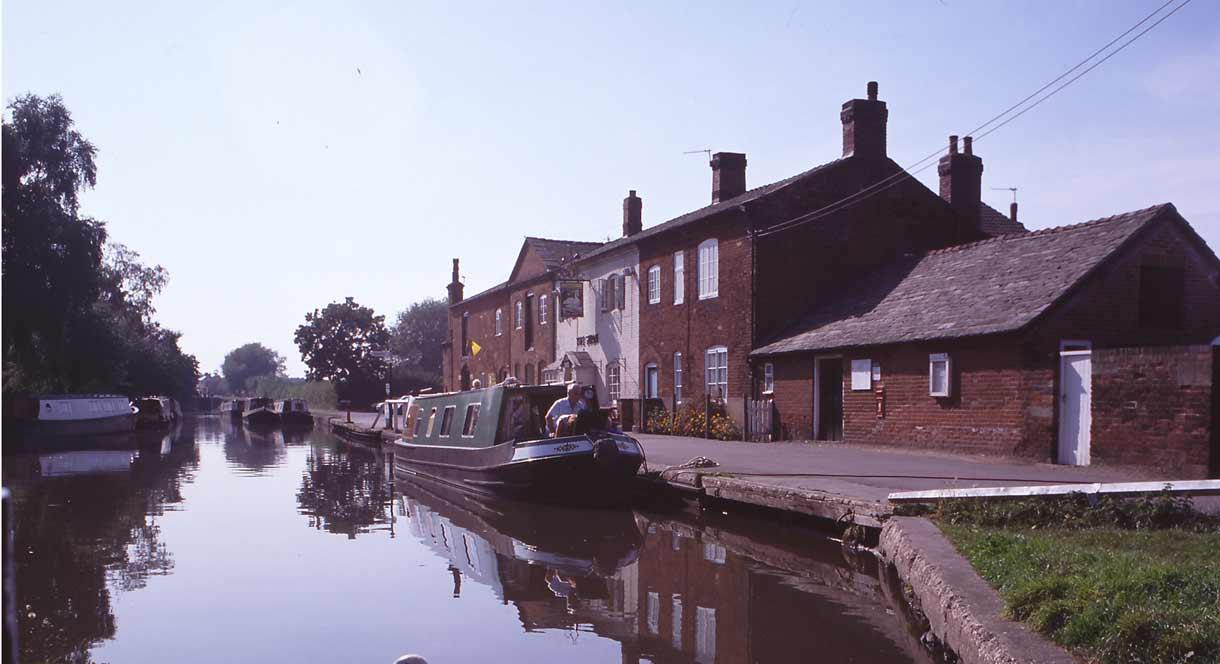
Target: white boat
69,415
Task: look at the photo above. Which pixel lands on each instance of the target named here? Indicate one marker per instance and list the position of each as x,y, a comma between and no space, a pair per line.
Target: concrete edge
963,611
792,499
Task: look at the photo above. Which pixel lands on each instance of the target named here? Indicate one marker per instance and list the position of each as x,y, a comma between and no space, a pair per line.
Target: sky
275,157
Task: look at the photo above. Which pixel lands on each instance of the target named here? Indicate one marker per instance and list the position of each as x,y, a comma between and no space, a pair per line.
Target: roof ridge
1053,230
551,239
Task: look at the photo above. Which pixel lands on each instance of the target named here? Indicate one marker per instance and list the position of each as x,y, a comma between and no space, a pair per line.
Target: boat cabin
483,417
254,403
289,406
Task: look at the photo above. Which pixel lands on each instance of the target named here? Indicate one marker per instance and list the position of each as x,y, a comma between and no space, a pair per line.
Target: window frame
431,423
469,424
768,386
678,377
933,359
543,307
648,391
447,421
614,389
499,321
709,269
679,277
861,366
720,369
654,284
518,314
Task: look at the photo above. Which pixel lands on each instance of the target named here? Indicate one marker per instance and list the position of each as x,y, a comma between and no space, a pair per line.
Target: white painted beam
1183,488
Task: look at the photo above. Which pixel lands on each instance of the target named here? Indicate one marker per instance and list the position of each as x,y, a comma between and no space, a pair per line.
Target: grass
1116,581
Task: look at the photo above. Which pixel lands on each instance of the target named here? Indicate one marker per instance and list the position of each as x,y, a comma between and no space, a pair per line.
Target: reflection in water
86,523
537,583
344,489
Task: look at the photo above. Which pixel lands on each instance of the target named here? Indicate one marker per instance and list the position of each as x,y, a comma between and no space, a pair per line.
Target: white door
1075,407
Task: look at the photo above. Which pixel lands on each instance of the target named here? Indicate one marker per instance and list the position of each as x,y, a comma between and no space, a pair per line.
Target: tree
416,340
246,363
337,343
213,384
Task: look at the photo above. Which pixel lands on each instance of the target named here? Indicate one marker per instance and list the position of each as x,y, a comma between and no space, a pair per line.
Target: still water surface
215,544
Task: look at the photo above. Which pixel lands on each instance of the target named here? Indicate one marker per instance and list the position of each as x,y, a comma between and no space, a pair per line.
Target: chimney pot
872,91
728,175
952,144
633,214
968,144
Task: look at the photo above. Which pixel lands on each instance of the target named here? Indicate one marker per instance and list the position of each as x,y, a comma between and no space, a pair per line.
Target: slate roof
997,285
707,211
555,253
993,222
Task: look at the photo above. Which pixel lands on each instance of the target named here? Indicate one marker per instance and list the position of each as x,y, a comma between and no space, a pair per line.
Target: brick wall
494,355
542,352
1152,407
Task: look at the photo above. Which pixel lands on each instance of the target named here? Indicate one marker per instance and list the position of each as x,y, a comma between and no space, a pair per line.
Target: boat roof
48,397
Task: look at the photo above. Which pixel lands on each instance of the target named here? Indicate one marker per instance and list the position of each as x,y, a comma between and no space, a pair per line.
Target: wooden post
707,415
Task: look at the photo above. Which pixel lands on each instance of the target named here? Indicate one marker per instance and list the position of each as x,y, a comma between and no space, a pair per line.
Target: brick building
1076,344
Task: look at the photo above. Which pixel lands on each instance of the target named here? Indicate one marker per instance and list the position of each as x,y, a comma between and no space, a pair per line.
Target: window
716,363
472,420
678,377
612,381
939,375
620,299
679,277
654,284
768,378
715,553
861,375
542,308
654,613
603,291
465,335
709,269
1162,297
705,635
447,420
651,379
529,321
431,421
676,602
517,314
499,322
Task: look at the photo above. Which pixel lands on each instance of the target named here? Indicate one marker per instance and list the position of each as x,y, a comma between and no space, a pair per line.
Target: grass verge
1109,586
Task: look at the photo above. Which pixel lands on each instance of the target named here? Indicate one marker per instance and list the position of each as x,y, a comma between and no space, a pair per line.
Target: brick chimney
864,125
728,175
1012,212
633,214
455,286
961,182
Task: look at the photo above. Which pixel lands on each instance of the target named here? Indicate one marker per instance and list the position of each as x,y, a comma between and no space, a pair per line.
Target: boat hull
261,418
296,420
576,470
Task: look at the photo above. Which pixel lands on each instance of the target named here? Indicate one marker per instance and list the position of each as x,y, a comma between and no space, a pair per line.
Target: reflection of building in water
344,490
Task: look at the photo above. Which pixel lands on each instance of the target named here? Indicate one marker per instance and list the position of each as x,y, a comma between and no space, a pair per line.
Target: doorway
652,380
828,398
1075,403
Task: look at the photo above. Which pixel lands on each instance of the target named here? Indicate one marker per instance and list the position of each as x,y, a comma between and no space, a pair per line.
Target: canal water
216,544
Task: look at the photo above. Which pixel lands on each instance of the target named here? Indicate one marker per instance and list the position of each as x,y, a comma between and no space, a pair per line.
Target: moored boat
68,415
260,412
154,412
232,408
293,413
494,441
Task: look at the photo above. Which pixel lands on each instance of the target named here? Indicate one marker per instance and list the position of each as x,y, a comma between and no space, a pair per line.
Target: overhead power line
923,164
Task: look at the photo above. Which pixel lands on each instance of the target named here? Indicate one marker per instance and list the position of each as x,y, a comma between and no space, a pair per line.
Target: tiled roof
996,285
993,222
705,212
494,289
555,253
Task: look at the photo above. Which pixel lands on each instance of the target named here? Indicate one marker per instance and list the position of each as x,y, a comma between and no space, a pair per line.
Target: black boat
493,441
259,413
294,413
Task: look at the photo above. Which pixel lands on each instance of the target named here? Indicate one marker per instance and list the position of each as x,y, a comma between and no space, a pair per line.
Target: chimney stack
728,175
864,125
455,286
1012,212
961,183
633,217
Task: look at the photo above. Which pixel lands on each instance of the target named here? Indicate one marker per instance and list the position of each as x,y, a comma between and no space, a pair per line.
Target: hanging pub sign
571,299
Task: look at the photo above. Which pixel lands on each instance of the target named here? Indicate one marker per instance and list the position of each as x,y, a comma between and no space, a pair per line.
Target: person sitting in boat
568,406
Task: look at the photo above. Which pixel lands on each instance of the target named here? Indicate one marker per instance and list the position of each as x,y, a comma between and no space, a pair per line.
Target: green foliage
213,384
417,336
337,343
1161,510
78,311
320,394
690,420
1112,594
245,364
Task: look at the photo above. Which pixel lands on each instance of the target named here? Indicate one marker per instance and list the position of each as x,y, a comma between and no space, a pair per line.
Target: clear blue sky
241,148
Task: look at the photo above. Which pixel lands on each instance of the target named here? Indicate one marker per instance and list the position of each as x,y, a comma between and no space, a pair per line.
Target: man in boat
570,405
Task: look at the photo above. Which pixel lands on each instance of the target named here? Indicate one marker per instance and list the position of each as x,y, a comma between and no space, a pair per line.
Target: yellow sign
475,348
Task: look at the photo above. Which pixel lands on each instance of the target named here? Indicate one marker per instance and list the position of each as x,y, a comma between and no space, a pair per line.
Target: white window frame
654,284
614,388
603,292
768,378
648,391
471,421
447,421
518,314
861,375
542,307
933,360
500,322
678,377
679,277
721,377
431,422
709,269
